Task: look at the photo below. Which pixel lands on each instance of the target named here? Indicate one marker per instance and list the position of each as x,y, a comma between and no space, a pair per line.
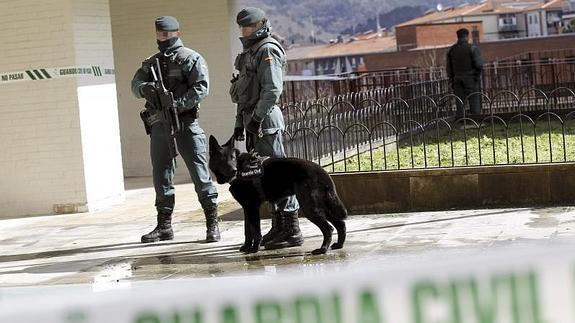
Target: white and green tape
536,285
56,73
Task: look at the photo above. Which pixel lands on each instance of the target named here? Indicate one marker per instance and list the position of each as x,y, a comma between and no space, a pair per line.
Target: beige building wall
490,26
57,134
207,27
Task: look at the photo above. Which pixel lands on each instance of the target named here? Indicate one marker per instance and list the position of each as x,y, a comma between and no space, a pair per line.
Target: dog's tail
335,205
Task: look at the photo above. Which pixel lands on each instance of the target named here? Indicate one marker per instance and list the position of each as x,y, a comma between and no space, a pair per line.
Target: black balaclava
163,46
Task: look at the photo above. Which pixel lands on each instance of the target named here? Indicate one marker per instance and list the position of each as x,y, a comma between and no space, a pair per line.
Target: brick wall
444,34
406,37
39,124
207,27
46,163
426,35
60,138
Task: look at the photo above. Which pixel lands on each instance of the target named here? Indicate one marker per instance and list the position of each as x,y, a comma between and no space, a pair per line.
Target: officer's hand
148,91
239,134
253,127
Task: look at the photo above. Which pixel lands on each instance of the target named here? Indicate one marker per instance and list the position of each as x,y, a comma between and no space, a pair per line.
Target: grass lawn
494,144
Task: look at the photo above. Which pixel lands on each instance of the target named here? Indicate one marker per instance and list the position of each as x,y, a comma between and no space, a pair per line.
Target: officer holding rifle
174,81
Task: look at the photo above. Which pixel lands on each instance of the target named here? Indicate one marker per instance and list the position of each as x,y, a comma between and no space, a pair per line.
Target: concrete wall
457,188
207,27
55,155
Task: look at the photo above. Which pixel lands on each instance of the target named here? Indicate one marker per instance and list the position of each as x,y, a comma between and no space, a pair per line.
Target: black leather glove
148,91
239,134
253,127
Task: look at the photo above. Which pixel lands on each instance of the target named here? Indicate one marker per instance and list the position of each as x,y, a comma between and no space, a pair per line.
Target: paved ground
102,248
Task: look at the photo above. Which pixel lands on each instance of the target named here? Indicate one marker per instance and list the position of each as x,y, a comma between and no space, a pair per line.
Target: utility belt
192,113
152,116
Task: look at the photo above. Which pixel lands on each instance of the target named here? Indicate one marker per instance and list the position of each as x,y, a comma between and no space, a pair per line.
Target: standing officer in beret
185,74
464,66
257,90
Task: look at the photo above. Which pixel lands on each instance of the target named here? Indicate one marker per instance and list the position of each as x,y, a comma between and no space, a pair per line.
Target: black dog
275,179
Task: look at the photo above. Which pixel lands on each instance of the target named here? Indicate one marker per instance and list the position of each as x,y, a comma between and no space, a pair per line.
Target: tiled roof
486,8
369,45
553,4
446,14
301,52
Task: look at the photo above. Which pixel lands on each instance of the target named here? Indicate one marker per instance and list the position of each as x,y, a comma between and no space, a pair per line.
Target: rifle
166,105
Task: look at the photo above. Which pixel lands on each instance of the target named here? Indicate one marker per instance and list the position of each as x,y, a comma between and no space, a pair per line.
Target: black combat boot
290,236
163,230
212,232
276,229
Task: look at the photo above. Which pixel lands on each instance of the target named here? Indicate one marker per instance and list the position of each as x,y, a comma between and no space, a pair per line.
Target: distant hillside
294,19
389,19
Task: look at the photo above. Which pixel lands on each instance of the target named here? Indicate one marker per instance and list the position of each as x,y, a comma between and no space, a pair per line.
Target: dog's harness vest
253,171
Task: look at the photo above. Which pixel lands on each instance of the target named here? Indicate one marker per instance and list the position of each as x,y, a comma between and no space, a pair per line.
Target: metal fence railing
374,130
544,74
543,70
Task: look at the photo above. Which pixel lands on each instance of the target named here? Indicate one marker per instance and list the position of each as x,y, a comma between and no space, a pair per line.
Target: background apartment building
504,19
420,42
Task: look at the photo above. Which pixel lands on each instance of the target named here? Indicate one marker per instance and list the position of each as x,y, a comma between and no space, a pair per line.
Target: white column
97,102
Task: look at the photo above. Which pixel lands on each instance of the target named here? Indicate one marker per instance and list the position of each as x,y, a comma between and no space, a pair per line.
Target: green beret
249,16
167,23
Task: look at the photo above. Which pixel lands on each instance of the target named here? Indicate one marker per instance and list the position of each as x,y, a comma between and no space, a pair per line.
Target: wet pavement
103,249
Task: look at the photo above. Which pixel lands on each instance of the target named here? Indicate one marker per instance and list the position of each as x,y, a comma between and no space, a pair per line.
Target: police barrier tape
55,73
526,285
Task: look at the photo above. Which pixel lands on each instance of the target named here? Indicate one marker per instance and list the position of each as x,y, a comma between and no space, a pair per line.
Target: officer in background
257,90
185,74
464,66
